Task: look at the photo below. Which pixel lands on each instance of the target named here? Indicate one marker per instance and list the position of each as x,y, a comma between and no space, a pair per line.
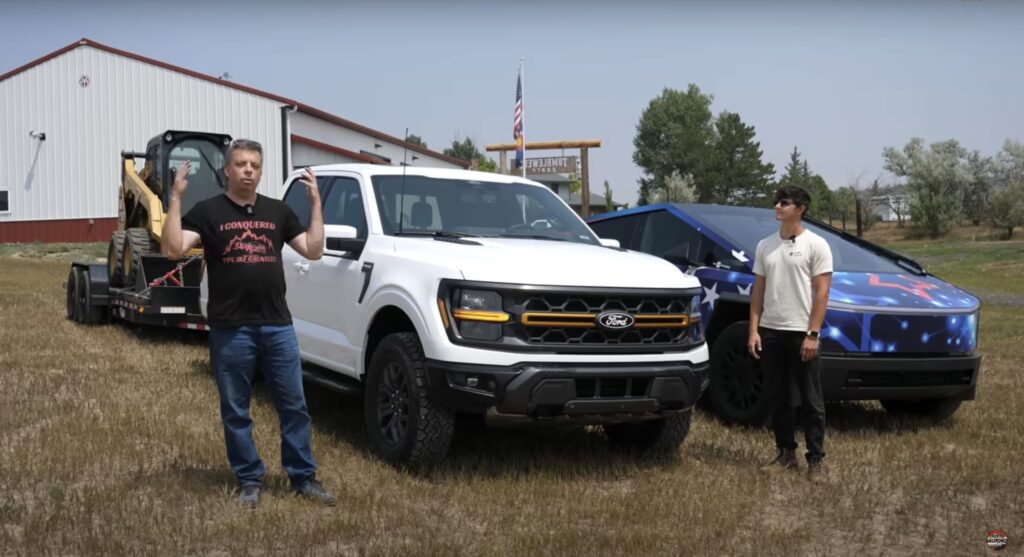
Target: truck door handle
302,266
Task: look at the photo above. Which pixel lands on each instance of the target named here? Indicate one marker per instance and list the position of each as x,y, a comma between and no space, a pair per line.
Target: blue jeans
235,354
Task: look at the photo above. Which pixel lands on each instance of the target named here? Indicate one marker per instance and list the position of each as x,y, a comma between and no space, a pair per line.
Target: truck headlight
478,314
696,332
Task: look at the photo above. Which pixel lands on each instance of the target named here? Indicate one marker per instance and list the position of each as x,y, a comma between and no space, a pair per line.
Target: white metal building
65,118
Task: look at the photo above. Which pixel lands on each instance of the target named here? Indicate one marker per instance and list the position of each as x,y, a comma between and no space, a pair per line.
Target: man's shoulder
817,239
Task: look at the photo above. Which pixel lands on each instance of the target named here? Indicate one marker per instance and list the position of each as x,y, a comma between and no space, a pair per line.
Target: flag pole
522,77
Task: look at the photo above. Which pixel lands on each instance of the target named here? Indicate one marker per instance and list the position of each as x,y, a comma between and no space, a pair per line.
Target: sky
839,81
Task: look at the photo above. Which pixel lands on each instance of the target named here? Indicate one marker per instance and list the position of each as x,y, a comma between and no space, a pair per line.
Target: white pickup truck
444,291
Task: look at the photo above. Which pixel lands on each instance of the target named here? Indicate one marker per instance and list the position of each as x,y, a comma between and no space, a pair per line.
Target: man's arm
174,241
310,244
756,309
821,284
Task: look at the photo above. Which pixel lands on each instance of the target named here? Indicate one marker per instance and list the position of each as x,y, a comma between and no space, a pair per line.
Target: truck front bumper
886,378
571,393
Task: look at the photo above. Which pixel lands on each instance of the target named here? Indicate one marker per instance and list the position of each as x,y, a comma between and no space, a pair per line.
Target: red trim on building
69,230
333,149
284,100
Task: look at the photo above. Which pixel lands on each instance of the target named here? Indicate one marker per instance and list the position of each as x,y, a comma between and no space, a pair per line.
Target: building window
5,206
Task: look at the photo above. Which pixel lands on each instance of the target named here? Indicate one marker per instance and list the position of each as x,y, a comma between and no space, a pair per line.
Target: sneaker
315,491
785,460
816,472
250,496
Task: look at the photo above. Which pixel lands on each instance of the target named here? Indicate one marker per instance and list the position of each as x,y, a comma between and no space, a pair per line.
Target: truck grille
553,319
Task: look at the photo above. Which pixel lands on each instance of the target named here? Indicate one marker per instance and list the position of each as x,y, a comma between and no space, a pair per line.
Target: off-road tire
934,409
115,250
137,243
396,382
663,436
739,390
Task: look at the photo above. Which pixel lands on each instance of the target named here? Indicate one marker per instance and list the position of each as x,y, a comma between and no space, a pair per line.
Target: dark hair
797,194
244,145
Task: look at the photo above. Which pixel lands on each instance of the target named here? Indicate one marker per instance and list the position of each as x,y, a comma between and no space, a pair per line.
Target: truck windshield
444,206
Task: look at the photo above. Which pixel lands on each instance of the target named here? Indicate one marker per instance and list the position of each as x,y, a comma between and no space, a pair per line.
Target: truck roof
428,171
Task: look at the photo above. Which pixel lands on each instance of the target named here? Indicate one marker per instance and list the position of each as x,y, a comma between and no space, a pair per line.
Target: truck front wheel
404,427
659,436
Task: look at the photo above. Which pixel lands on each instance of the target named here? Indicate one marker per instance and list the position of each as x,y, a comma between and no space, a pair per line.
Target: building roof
302,107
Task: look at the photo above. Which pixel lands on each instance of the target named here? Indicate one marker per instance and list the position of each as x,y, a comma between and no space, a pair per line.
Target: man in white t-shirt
793,271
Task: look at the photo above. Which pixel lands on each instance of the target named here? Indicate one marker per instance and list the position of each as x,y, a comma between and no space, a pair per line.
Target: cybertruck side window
622,229
668,237
297,198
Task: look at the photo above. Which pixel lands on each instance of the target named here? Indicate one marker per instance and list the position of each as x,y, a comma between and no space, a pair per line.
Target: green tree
609,205
677,189
466,150
1007,200
935,178
798,173
982,171
674,135
416,140
737,176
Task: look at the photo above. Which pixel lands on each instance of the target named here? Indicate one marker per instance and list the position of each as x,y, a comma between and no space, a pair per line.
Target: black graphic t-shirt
243,258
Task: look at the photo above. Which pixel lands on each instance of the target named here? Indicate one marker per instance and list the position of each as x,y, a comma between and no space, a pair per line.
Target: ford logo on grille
615,320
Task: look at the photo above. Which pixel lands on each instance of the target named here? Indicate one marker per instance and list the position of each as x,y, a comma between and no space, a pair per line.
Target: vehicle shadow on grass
162,335
478,450
855,416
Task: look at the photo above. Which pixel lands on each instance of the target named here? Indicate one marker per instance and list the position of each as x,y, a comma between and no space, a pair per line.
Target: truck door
322,294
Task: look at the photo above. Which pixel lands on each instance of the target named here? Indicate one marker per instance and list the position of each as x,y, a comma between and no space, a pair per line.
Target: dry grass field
110,444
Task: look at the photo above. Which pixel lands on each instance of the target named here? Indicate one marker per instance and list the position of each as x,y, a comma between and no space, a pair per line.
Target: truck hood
889,292
548,263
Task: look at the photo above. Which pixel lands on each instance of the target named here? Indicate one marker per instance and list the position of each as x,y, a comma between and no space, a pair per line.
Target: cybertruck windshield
423,206
744,227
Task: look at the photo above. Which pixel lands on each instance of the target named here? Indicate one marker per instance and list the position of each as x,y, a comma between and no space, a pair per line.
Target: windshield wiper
436,234
531,237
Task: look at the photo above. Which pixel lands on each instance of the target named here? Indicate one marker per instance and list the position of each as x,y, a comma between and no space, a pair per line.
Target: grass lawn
110,443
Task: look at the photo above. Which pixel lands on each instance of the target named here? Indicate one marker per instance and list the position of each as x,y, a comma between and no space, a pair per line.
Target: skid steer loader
137,283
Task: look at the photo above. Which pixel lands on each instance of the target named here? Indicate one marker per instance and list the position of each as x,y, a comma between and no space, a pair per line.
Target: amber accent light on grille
484,316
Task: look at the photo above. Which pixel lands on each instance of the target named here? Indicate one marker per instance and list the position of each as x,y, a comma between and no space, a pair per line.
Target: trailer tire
137,243
88,314
71,298
403,425
115,250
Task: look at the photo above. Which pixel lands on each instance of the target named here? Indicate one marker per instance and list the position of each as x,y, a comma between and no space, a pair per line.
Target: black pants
795,387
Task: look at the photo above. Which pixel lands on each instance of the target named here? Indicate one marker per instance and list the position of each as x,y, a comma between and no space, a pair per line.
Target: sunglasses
785,202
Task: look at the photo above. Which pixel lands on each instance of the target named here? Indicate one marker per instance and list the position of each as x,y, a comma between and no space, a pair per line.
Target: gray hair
244,145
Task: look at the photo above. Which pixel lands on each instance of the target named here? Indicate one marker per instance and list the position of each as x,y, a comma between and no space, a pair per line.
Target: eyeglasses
785,202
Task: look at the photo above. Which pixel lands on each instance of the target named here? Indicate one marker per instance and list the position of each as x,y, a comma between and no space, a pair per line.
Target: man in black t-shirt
242,234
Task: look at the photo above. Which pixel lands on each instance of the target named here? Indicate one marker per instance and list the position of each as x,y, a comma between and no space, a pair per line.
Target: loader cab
207,152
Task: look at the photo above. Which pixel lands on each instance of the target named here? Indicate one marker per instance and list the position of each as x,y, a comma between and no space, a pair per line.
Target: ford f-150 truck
444,291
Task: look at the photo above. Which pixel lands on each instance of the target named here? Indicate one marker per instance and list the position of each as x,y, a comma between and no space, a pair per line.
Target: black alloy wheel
738,390
393,404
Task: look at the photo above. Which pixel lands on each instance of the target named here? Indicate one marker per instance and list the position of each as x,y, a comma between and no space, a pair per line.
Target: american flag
517,126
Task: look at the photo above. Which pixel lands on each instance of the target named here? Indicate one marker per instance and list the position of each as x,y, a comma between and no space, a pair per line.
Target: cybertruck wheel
404,427
738,389
934,409
657,436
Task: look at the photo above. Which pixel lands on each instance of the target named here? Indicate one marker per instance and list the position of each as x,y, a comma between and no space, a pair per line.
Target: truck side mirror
340,241
610,243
